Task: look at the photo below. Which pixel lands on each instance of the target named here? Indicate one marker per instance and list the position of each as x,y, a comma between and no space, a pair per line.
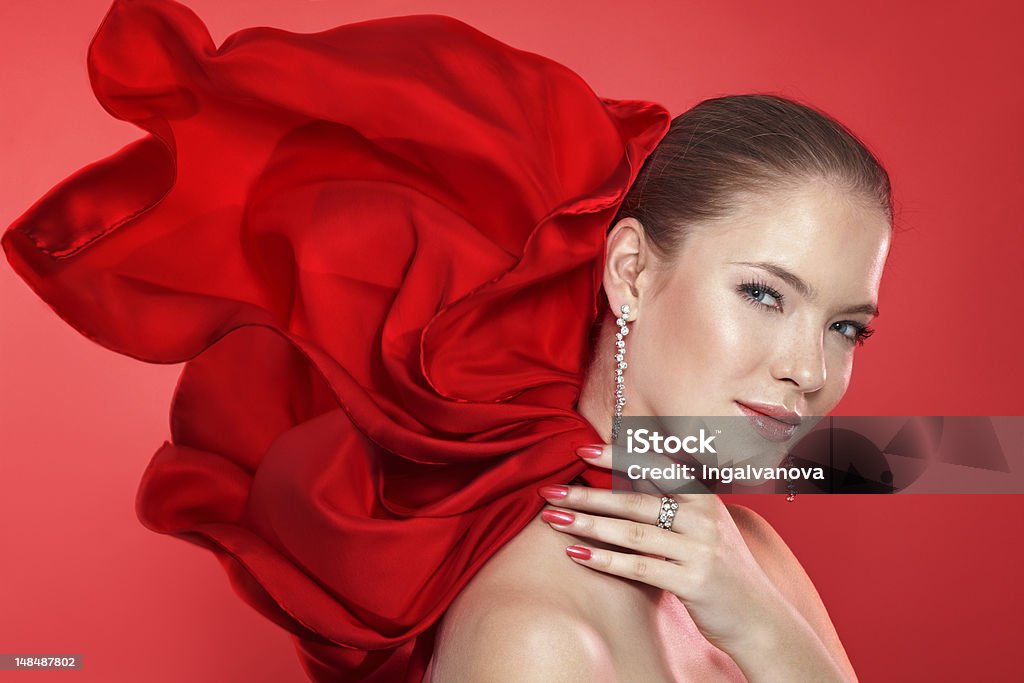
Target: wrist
761,636
764,626
782,646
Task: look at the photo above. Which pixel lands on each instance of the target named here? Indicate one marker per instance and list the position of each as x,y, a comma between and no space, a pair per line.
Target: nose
801,360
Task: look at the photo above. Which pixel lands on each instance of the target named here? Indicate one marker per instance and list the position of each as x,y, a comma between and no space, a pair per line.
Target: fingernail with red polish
589,451
557,516
553,491
578,551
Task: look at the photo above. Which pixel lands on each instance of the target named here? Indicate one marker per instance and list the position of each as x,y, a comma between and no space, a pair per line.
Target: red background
920,588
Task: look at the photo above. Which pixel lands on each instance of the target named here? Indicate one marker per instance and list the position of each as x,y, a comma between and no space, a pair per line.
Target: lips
776,412
777,428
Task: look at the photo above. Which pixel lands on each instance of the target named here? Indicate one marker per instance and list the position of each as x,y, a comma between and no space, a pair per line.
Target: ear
626,257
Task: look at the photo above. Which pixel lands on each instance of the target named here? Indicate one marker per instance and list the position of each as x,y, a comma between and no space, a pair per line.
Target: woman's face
762,308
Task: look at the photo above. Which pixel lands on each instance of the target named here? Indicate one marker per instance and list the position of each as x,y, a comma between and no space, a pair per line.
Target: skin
692,329
697,344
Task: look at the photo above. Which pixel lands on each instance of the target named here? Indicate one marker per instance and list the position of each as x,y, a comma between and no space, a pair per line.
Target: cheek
688,347
839,368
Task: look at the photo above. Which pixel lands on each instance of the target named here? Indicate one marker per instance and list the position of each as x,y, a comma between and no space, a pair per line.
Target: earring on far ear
620,366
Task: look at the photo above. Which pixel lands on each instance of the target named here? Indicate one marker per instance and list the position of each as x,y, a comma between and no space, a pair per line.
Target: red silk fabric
378,249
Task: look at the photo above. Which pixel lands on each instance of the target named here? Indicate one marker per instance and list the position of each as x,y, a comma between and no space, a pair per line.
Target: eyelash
748,289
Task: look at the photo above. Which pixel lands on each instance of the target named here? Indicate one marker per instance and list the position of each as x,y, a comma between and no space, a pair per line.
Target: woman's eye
852,331
762,295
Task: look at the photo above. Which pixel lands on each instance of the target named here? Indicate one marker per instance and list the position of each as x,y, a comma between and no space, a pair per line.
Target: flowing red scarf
378,250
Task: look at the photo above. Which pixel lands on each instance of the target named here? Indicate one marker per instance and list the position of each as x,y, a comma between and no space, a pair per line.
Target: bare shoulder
520,618
785,571
519,639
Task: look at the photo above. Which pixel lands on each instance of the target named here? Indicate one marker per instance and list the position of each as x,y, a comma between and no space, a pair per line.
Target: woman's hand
704,561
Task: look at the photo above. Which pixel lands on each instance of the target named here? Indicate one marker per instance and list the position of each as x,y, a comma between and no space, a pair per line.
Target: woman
748,254
379,249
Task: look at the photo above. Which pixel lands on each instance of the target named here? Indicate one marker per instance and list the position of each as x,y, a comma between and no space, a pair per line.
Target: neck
597,402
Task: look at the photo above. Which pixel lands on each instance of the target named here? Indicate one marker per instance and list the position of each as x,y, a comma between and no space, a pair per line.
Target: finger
619,458
596,454
644,472
644,486
624,533
632,505
651,571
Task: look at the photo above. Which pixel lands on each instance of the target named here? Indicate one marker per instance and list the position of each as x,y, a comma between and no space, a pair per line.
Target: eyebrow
799,285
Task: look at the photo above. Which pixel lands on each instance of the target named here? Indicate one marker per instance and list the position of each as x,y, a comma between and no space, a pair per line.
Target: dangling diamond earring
620,366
